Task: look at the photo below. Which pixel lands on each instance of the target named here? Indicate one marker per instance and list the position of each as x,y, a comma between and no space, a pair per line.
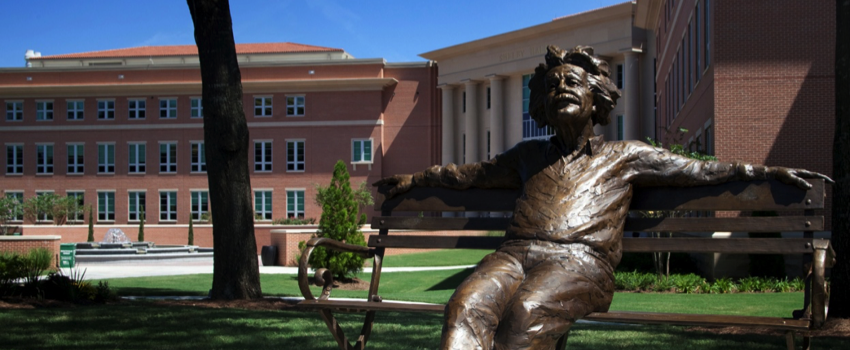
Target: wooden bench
404,212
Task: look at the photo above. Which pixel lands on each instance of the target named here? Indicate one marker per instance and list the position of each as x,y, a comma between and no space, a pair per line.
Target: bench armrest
824,257
324,276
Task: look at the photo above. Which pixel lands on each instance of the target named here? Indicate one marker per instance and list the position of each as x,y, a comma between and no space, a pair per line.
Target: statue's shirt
581,197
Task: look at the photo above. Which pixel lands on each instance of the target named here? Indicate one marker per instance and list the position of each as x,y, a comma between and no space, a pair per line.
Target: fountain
116,248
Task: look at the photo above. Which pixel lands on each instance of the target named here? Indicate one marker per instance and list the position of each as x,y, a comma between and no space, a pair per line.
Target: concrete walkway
108,271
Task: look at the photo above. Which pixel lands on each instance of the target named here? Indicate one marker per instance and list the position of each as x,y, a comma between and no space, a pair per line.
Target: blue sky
397,30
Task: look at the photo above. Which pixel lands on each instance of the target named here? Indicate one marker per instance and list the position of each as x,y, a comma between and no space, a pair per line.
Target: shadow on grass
452,281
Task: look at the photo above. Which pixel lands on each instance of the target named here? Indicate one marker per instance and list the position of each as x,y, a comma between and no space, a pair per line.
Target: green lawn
437,287
449,257
144,325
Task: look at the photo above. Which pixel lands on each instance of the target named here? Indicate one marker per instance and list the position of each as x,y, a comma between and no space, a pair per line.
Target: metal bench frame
403,212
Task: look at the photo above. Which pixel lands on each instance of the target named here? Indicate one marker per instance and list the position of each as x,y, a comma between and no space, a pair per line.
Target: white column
449,136
497,118
631,119
471,117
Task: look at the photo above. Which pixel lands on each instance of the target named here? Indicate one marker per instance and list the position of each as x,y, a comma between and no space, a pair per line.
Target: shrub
723,286
11,269
689,283
294,221
10,208
191,240
339,221
91,226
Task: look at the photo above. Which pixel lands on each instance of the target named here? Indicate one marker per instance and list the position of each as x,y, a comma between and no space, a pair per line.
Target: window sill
44,174
368,164
168,173
105,174
295,171
198,173
262,171
136,174
14,174
75,174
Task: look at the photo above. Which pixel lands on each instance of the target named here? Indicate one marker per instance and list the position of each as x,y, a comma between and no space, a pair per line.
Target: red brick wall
23,244
769,91
403,144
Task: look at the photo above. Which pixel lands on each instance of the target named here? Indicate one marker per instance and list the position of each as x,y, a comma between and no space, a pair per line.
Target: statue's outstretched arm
495,173
658,167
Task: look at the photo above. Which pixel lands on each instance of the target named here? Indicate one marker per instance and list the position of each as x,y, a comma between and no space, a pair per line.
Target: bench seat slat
612,316
710,224
633,245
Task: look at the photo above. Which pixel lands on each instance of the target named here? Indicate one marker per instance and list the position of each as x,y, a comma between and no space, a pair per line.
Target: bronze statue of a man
557,262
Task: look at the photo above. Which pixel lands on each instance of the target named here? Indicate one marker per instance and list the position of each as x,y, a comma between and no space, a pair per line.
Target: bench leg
562,342
789,340
807,343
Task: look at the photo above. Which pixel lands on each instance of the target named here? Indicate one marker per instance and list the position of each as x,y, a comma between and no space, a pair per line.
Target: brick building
751,81
122,130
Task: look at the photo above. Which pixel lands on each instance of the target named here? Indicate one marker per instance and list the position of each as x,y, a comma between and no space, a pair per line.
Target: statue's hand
796,177
399,183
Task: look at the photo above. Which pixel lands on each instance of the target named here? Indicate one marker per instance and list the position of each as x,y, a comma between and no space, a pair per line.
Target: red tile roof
190,50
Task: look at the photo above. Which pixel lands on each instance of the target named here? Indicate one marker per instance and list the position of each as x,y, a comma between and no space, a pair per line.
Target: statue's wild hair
598,78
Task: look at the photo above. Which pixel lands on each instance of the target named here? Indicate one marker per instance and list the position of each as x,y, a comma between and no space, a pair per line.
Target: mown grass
449,257
146,325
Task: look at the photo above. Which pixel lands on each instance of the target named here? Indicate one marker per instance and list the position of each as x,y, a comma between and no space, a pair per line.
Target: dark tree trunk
840,298
235,272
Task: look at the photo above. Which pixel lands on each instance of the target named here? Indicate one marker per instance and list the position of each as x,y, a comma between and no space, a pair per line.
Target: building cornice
169,126
557,25
159,88
243,64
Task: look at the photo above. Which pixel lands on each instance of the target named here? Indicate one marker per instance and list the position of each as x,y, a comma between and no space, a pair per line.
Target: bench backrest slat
709,224
644,245
755,195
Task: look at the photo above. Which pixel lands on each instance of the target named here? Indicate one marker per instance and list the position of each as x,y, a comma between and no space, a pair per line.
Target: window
263,106
77,211
136,108
263,205
106,206
197,109
44,216
105,158
44,159
361,151
76,158
620,127
463,153
696,43
529,126
294,105
200,205
19,197
488,144
464,102
488,97
620,77
295,204
262,156
14,159
14,111
136,208
168,108
75,110
707,33
168,157
199,157
294,155
709,140
44,110
168,206
106,109
137,158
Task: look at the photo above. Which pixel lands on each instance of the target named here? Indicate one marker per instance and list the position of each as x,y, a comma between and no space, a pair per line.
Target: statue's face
569,98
